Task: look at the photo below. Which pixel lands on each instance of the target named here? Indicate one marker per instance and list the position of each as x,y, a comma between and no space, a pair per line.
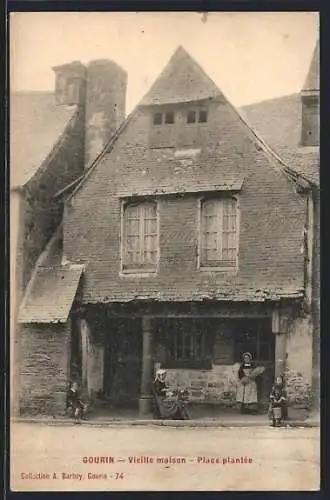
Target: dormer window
197,116
169,117
202,116
191,116
158,118
164,118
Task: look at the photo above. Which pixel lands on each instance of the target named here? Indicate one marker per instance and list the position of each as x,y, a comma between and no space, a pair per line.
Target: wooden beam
145,400
279,328
194,315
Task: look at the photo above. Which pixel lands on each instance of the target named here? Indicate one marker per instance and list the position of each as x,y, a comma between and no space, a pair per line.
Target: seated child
278,398
75,403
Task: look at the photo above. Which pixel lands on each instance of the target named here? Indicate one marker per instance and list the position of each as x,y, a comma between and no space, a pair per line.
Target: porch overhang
50,294
168,188
215,297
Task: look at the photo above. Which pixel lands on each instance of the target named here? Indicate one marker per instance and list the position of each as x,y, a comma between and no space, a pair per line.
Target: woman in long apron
247,394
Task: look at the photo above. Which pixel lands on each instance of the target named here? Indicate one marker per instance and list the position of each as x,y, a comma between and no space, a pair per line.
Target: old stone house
186,242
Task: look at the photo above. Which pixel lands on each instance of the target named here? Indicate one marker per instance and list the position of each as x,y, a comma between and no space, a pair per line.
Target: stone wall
45,368
217,385
316,301
299,360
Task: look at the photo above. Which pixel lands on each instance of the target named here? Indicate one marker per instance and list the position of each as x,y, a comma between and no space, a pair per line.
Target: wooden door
123,362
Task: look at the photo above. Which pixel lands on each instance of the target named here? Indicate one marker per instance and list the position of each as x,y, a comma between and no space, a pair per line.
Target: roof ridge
271,99
268,150
312,81
173,85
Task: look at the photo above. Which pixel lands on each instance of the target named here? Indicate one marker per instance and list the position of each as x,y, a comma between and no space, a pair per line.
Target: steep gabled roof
312,82
182,80
36,124
206,88
278,121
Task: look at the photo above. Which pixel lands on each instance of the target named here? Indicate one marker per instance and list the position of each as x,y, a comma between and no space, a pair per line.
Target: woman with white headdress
165,408
247,394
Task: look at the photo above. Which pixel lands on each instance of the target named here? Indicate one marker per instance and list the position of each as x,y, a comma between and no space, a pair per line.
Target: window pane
191,116
202,116
169,117
211,249
158,118
229,231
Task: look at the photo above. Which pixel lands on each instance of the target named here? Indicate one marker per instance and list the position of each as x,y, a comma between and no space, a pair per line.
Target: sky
250,56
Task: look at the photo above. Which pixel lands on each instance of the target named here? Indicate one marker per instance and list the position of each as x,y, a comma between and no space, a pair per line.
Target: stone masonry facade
44,368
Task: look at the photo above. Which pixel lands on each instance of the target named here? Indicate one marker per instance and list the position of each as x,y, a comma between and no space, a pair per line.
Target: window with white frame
140,236
219,232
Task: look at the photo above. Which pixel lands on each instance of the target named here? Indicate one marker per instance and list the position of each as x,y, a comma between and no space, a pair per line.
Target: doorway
256,337
123,361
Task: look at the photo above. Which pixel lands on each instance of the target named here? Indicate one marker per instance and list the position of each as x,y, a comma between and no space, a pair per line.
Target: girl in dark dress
278,397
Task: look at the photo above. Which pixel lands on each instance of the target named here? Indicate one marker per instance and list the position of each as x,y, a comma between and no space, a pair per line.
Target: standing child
278,401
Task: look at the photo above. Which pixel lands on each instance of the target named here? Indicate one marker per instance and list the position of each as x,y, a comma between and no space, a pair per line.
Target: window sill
222,269
138,272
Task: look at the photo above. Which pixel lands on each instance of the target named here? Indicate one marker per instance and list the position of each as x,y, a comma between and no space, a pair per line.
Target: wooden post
145,400
279,327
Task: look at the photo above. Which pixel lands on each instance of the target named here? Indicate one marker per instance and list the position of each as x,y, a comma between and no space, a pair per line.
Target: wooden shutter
140,236
219,232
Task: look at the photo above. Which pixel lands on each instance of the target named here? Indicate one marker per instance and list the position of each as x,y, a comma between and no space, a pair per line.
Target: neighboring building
291,126
54,138
186,243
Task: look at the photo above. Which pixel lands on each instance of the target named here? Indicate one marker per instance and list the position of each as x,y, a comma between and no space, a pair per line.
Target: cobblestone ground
48,458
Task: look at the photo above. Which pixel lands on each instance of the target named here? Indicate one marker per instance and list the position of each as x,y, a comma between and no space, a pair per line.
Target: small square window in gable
158,119
202,117
191,116
169,117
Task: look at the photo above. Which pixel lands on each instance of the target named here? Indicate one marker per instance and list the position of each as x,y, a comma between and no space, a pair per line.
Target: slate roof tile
50,295
182,80
278,122
36,124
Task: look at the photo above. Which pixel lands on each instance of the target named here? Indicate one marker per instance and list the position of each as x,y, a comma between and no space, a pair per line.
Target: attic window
191,117
199,116
158,118
169,117
202,118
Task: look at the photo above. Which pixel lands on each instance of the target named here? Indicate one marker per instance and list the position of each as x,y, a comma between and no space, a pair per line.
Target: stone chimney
100,90
310,103
105,105
70,83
